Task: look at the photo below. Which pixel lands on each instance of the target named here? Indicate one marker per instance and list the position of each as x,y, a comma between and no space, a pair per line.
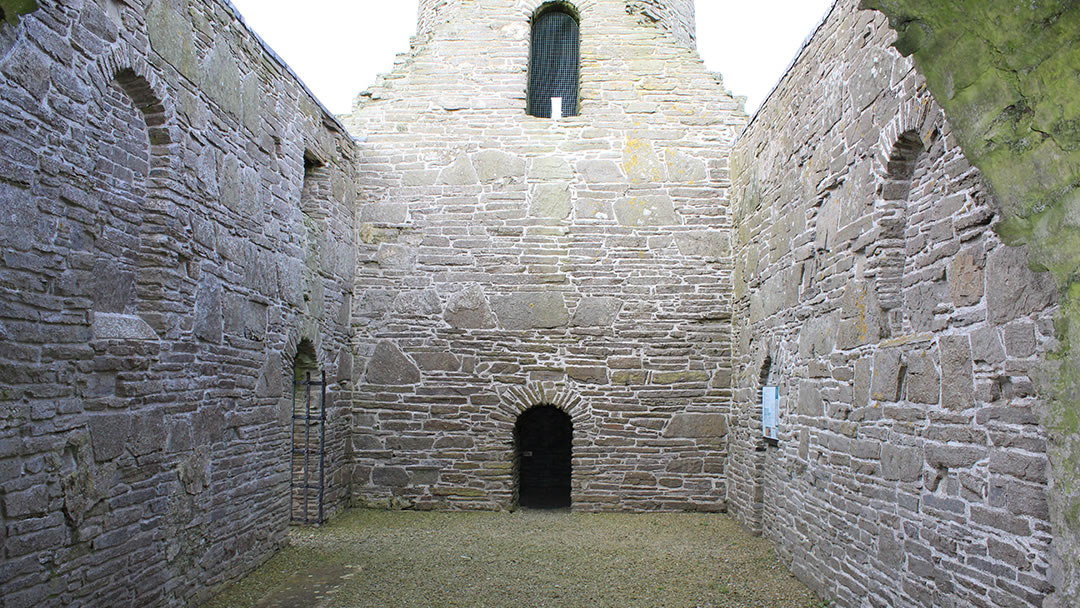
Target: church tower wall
508,261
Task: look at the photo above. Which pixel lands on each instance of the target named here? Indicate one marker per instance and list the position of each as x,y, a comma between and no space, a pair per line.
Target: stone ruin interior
223,309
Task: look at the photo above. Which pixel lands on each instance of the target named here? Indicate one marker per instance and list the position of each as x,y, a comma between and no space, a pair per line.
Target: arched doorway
543,438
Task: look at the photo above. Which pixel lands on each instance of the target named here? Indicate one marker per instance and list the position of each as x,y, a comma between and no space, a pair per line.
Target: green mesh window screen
553,63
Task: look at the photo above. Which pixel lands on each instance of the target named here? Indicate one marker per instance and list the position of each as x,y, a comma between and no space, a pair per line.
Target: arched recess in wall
554,61
141,239
886,265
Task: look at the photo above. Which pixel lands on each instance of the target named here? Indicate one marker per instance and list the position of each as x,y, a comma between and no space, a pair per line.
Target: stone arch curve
582,9
919,115
148,92
293,343
162,230
515,401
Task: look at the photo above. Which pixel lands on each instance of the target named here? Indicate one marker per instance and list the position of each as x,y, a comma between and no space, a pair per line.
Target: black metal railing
308,479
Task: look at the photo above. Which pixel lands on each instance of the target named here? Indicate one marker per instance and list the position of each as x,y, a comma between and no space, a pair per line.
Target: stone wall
675,16
508,261
907,340
158,272
1012,96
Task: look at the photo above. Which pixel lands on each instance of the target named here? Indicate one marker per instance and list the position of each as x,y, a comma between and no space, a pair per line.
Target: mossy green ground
527,558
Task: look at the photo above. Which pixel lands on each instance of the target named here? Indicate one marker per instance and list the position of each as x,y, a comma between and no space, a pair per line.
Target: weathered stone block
421,476
148,433
586,208
986,345
646,210
385,213
270,379
900,463
109,434
459,173
641,163
627,378
33,501
434,362
495,165
597,312
221,79
712,245
1020,340
965,279
208,318
388,365
108,326
923,380
391,477
113,288
417,303
599,171
551,201
170,35
697,426
1013,288
958,379
921,300
532,310
954,456
810,402
550,168
684,168
469,309
862,384
588,374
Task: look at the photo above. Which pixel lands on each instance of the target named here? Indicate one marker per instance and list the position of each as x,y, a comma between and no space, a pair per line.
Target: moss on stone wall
11,9
1006,73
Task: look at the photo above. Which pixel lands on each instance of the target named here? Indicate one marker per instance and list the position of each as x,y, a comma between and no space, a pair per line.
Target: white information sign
770,411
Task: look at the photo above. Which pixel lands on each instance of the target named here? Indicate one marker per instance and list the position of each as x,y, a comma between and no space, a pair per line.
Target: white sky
337,47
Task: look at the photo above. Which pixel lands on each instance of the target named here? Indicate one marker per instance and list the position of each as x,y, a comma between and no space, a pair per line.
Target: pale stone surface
110,326
551,200
469,309
646,211
1013,289
388,365
867,268
540,310
958,380
697,426
169,242
597,312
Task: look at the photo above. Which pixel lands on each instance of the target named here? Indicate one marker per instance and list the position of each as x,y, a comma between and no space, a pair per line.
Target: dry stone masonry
158,271
508,261
905,338
185,231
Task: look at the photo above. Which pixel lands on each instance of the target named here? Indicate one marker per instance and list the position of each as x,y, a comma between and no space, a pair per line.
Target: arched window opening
887,264
308,453
130,149
543,440
554,62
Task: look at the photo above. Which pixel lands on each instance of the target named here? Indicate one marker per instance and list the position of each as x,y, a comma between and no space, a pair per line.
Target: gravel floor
528,558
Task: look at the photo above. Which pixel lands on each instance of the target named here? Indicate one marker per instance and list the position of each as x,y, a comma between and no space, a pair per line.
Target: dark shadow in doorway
543,439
